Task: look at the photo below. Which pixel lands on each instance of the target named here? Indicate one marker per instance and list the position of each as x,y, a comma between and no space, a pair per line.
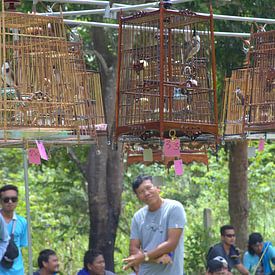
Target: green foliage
58,202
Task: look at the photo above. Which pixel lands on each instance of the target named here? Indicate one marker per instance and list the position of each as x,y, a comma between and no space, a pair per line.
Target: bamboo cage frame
157,83
255,86
40,83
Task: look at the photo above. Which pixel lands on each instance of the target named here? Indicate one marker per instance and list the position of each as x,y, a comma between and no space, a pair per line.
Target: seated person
226,249
259,256
47,263
218,266
94,264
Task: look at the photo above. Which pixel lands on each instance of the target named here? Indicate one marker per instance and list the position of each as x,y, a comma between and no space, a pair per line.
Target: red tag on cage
171,148
34,156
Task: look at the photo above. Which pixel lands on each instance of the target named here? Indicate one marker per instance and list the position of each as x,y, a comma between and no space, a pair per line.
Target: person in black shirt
226,249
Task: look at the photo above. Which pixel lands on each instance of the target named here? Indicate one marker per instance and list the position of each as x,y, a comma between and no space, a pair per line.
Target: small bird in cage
57,75
7,75
260,28
193,47
246,46
182,94
139,65
239,95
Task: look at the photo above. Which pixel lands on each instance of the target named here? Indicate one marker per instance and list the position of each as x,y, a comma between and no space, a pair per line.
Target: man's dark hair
8,187
44,256
226,227
253,239
139,180
90,256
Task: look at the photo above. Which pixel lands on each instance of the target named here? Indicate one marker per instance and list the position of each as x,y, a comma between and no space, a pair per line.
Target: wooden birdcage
166,76
262,104
40,87
91,81
237,90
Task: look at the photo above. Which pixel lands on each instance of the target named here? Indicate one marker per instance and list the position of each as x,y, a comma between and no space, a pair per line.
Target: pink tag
41,149
171,148
34,156
261,145
178,167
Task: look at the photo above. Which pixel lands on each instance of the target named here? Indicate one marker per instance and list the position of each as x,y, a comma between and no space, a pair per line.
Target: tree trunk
104,165
238,201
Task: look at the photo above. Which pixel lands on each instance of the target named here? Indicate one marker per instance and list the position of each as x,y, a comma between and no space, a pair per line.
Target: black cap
216,264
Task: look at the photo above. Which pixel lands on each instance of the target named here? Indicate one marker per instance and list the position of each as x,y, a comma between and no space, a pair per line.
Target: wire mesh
40,87
165,78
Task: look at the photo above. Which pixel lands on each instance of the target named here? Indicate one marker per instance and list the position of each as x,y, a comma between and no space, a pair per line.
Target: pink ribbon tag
34,156
41,149
178,167
261,145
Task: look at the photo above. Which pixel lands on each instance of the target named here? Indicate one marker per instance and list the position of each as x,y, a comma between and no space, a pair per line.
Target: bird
260,28
193,47
239,95
246,46
56,74
7,75
139,65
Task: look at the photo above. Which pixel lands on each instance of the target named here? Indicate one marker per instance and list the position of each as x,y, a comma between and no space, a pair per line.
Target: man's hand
133,260
164,259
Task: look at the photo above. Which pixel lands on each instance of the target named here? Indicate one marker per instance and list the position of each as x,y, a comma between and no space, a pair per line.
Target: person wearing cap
226,249
157,232
218,266
259,256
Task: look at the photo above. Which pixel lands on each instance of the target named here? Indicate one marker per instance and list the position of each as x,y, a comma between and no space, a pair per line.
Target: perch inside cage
166,72
40,88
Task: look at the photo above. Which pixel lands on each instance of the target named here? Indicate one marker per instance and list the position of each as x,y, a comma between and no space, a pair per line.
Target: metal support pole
27,196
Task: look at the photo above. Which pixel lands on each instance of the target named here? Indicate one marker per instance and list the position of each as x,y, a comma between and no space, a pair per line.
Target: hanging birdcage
166,76
236,97
262,103
90,90
40,87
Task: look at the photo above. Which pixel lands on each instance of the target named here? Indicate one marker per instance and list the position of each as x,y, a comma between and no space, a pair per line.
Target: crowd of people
157,246
156,241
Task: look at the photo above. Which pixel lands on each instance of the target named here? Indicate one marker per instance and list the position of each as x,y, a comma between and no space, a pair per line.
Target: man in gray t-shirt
156,245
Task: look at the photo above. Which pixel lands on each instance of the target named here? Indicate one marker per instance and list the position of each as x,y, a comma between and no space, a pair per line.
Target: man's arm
168,246
4,238
242,269
137,256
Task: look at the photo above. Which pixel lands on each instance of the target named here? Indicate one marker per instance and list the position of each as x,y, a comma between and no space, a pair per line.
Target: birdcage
40,87
235,113
166,76
262,103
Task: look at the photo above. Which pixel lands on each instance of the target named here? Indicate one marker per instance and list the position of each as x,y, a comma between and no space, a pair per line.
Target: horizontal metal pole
117,8
83,2
135,7
115,26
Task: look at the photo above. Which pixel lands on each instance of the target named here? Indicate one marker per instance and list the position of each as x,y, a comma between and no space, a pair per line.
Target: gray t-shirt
151,229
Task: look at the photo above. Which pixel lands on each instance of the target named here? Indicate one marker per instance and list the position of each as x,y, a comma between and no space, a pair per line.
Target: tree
238,193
